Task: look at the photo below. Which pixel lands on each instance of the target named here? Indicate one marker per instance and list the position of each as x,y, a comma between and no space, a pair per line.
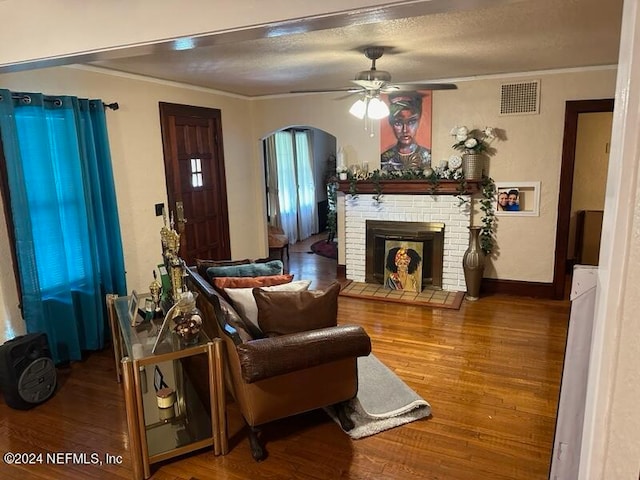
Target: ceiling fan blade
370,84
422,86
329,90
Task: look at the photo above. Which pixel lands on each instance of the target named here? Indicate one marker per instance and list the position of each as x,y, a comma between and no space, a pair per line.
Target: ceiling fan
370,84
374,82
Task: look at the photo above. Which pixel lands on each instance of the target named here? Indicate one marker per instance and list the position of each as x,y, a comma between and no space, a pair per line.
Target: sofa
284,374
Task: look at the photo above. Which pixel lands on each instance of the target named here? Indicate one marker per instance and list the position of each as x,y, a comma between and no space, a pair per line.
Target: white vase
343,175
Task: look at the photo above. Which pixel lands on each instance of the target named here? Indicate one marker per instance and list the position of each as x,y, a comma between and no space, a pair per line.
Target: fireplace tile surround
408,208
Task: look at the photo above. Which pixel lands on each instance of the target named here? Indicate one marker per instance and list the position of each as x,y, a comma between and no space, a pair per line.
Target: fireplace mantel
411,187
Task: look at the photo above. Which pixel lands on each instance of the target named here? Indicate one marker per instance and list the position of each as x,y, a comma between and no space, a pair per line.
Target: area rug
383,401
325,249
429,297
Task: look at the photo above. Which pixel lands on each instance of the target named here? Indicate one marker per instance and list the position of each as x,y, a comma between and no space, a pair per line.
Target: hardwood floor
491,372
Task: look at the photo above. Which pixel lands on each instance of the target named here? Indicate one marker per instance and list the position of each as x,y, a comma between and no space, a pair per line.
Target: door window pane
196,172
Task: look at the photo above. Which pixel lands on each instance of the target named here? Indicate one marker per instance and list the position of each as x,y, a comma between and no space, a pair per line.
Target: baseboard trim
516,287
341,272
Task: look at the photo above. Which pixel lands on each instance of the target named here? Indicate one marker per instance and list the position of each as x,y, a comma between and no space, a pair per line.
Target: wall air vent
522,98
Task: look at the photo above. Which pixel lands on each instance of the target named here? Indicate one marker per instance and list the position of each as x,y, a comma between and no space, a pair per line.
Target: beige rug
429,297
383,401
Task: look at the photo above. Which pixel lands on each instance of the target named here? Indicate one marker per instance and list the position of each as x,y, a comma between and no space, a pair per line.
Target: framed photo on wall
517,198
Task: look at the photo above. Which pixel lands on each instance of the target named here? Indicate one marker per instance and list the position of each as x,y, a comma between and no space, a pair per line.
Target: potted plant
474,144
341,170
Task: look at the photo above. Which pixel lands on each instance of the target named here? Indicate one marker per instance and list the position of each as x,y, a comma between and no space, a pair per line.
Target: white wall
611,438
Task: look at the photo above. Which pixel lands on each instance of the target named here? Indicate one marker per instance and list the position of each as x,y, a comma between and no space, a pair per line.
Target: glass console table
157,434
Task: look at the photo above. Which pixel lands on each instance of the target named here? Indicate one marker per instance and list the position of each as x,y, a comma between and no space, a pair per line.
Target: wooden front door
196,184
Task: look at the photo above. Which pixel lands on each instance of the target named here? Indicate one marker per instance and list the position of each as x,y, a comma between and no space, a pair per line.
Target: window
196,172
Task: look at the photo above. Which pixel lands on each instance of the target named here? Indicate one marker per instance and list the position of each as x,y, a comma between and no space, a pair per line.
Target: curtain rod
57,102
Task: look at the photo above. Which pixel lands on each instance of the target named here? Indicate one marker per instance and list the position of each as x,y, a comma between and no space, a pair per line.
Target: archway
319,165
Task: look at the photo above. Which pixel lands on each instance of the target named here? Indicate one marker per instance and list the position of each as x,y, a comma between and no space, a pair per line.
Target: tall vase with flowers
475,145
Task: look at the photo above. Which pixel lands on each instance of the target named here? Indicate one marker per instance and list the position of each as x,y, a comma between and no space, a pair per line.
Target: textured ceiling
519,36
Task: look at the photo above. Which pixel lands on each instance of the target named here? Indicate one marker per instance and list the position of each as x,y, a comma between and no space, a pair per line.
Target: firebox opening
430,234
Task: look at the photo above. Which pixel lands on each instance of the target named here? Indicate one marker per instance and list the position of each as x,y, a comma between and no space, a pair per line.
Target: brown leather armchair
273,378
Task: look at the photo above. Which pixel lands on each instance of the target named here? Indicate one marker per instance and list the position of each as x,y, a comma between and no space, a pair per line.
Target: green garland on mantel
487,234
433,177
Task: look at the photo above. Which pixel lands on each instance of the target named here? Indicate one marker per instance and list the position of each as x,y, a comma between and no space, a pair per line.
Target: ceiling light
370,107
358,109
377,109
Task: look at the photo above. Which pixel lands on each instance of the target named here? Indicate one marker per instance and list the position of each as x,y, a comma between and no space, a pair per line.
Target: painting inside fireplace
403,265
425,236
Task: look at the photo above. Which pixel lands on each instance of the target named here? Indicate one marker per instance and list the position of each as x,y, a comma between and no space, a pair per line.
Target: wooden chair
278,241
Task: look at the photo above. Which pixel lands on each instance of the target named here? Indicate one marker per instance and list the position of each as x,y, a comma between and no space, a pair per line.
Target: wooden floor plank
491,372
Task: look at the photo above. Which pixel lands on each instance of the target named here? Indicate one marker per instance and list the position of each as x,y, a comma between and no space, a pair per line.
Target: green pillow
273,267
202,265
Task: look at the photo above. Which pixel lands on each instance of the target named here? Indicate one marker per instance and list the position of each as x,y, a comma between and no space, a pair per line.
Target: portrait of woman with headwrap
404,118
403,265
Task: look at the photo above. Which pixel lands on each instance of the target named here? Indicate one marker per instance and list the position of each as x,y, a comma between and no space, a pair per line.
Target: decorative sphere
427,172
188,326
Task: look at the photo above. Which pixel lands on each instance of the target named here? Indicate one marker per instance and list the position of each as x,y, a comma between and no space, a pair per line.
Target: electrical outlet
159,209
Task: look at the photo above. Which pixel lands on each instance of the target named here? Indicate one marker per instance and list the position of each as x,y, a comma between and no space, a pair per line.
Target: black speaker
27,372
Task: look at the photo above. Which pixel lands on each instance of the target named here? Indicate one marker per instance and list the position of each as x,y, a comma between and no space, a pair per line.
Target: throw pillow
220,283
202,265
282,313
245,304
274,267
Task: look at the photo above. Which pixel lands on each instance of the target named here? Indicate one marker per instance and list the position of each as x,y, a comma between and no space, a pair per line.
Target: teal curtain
63,205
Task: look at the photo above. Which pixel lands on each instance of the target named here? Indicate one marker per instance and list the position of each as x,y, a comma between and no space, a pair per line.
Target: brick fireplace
409,208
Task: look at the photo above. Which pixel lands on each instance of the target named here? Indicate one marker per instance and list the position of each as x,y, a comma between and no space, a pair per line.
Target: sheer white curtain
291,187
287,196
307,207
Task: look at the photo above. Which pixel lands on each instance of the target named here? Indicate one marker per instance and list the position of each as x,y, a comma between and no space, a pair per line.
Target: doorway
196,182
573,111
297,167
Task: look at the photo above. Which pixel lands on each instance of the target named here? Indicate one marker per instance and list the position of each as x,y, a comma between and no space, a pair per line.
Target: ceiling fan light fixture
358,109
377,109
379,76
